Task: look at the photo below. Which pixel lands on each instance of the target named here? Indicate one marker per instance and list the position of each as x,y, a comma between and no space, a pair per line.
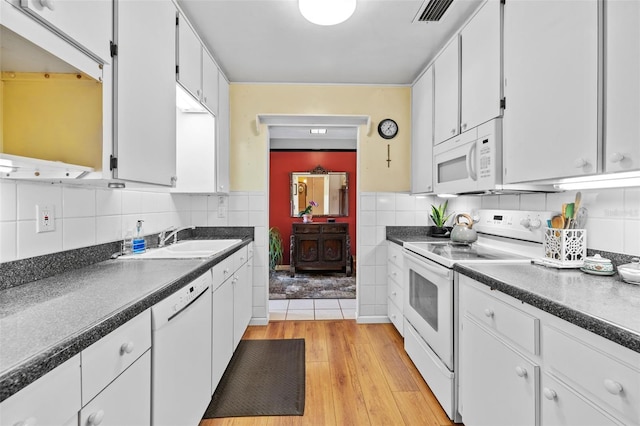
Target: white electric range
430,294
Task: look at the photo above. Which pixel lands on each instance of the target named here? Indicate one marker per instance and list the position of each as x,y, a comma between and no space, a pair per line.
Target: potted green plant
275,248
439,217
307,213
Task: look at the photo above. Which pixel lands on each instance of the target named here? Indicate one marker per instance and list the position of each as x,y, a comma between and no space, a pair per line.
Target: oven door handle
427,264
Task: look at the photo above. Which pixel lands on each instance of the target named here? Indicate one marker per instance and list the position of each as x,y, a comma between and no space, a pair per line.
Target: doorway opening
317,150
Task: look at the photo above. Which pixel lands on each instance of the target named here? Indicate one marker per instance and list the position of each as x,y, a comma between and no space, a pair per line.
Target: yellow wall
55,117
249,154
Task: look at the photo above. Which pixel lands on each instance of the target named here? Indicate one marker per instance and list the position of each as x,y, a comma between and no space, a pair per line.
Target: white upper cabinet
447,92
622,86
209,83
145,138
223,142
481,70
551,89
85,23
422,134
189,70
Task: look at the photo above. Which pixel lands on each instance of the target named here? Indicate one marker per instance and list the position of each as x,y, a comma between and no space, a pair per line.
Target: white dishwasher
181,355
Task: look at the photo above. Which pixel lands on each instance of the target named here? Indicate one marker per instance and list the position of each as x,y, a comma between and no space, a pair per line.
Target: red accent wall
283,163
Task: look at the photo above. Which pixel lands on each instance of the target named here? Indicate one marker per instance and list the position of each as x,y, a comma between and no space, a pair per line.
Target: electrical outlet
222,206
45,219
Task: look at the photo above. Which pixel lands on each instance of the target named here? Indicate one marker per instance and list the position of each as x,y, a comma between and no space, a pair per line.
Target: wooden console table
320,247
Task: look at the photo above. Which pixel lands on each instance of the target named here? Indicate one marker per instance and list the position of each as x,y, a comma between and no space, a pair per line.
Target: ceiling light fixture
327,12
318,131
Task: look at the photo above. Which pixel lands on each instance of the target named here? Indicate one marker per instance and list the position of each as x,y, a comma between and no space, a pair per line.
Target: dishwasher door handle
175,314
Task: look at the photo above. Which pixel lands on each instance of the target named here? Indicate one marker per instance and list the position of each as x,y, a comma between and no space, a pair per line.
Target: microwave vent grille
434,10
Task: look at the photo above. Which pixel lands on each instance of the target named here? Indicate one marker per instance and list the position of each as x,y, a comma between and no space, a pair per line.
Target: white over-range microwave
470,162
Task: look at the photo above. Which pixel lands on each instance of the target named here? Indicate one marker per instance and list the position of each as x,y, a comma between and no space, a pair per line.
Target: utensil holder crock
565,247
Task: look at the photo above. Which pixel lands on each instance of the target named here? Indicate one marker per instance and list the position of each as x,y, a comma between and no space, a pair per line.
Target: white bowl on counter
630,272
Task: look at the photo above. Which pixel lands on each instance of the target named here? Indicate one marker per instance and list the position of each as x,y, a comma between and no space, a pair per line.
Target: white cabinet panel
110,356
126,401
498,386
422,134
209,83
86,23
189,58
53,399
562,407
551,89
622,85
480,69
242,301
146,92
222,329
447,92
223,141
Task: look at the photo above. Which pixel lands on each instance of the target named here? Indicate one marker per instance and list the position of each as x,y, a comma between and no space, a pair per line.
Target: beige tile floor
312,309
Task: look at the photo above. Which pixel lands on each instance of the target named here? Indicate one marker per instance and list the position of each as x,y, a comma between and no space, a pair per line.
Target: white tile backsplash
31,194
8,210
78,202
108,202
78,232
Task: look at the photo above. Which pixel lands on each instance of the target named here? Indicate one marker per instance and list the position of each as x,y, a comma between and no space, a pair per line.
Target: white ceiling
268,41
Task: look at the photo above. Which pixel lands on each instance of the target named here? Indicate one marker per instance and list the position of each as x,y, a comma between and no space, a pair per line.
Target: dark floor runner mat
264,378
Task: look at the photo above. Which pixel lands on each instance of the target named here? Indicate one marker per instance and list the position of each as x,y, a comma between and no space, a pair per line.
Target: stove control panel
520,224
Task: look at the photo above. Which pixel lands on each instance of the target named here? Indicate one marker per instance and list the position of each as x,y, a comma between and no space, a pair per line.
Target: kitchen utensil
568,215
462,233
557,222
576,205
630,272
581,218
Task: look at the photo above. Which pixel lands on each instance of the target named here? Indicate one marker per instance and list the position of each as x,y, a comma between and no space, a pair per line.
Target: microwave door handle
471,156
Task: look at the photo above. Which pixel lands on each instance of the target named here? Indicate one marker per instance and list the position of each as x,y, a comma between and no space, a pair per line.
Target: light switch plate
45,218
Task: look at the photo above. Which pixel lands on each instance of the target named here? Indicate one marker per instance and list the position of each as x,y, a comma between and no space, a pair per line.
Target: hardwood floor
356,374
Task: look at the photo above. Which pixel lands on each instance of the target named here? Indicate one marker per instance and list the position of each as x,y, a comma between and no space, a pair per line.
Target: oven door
455,164
428,303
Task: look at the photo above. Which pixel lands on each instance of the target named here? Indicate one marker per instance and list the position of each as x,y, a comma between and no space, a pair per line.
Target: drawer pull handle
488,313
96,418
612,386
28,422
521,371
226,271
126,348
550,394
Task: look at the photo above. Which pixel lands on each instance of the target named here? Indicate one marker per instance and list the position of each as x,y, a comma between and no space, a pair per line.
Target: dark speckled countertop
604,305
45,322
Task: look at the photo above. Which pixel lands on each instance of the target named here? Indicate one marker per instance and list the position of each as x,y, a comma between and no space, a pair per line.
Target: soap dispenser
139,243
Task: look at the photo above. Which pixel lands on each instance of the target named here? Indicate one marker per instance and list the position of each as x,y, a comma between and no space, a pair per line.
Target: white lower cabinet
521,366
499,385
563,407
53,399
395,290
126,401
232,307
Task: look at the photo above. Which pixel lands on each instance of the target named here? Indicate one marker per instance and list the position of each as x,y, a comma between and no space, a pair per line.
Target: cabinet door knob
612,386
616,157
126,348
521,371
453,131
463,126
49,4
550,394
488,313
394,293
96,418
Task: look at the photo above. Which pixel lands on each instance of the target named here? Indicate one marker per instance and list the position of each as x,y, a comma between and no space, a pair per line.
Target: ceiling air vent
434,10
